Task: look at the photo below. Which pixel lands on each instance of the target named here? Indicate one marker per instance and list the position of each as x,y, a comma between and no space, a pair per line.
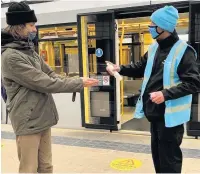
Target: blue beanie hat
166,18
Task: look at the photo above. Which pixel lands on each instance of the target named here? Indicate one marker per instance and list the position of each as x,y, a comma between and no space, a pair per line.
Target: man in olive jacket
29,82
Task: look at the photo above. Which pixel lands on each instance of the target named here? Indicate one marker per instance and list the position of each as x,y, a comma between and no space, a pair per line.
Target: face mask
31,35
153,32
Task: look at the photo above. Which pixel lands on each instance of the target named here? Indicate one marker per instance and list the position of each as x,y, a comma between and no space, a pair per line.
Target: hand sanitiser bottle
115,73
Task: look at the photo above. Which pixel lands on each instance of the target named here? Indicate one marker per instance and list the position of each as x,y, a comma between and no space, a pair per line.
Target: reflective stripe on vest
178,49
177,108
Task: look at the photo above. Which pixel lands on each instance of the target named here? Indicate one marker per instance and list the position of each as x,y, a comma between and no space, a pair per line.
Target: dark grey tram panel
193,127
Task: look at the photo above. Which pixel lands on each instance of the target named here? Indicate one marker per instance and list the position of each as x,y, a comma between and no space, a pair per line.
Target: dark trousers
165,147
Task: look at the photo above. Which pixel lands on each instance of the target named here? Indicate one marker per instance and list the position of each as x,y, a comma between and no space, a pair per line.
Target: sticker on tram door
106,80
99,52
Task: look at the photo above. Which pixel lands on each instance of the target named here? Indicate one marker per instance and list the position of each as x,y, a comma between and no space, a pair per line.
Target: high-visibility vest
177,111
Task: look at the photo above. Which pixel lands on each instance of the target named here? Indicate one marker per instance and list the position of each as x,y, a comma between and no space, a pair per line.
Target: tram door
193,127
96,42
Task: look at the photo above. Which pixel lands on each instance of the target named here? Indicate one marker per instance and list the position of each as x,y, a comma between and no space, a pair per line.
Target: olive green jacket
29,84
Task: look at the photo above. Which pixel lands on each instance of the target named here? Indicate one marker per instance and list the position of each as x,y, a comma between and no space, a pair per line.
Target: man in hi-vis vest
171,75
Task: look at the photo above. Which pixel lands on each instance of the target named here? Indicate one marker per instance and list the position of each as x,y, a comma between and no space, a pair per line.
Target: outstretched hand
89,82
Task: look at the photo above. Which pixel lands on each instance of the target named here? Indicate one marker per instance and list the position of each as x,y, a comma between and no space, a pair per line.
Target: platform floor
93,151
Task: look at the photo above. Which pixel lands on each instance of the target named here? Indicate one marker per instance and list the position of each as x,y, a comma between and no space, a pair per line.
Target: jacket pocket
33,109
36,110
36,106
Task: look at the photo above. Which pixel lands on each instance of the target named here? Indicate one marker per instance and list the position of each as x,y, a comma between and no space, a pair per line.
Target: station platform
98,151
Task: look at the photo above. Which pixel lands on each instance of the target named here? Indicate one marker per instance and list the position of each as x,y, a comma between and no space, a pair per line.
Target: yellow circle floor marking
125,164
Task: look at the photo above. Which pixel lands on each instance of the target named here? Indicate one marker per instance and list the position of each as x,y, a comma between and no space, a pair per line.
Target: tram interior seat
131,91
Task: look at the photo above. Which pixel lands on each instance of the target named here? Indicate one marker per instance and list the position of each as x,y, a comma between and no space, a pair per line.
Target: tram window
58,46
64,31
61,56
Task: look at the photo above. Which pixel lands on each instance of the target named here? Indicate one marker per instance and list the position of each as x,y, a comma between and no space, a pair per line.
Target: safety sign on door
99,52
106,80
